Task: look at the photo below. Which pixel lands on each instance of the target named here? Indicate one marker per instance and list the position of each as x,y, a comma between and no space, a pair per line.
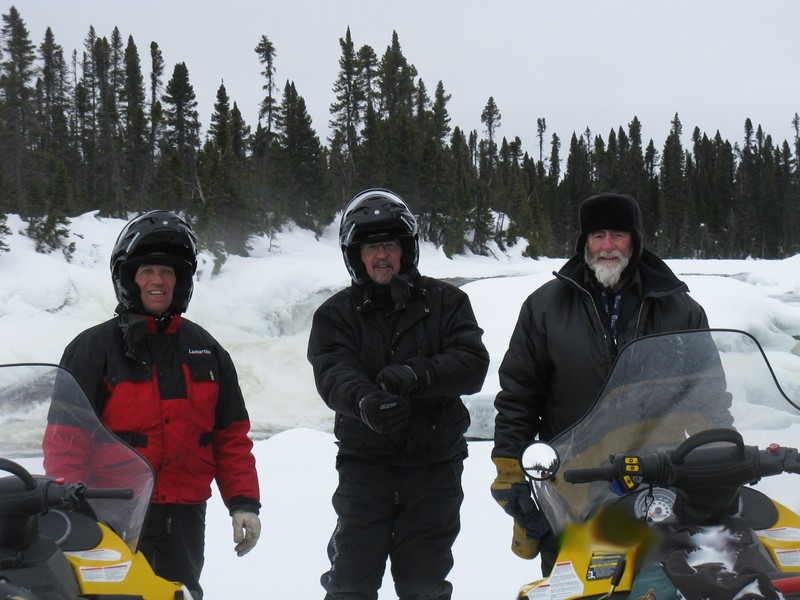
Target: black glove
513,493
515,499
399,379
384,412
534,524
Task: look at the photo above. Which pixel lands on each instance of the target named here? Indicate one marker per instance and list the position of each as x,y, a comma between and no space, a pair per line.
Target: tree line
95,131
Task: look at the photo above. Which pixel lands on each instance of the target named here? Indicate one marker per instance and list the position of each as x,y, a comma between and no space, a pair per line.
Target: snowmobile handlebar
26,494
692,465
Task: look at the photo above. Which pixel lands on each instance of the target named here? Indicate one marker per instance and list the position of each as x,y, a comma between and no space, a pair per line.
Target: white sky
575,63
259,308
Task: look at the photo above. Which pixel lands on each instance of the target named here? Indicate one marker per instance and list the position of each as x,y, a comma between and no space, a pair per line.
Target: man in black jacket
566,340
392,354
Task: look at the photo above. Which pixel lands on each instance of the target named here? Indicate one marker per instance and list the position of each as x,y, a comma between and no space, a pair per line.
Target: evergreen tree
674,209
541,128
156,86
302,164
742,214
228,215
264,138
436,184
397,82
347,115
108,175
55,97
490,117
577,185
17,119
48,224
650,199
136,149
440,117
369,76
178,186
561,242
454,220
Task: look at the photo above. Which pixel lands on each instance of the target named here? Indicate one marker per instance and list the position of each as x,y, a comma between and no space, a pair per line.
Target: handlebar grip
604,473
109,493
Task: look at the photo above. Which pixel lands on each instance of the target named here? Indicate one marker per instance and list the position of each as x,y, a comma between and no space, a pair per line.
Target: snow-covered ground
260,309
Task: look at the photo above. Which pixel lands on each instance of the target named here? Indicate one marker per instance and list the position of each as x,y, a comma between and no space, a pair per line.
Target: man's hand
511,490
384,412
246,530
399,379
513,493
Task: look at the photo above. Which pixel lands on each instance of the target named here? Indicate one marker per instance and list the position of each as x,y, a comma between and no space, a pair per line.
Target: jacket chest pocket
203,370
202,382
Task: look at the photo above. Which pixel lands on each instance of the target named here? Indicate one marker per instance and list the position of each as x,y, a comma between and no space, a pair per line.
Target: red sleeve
236,476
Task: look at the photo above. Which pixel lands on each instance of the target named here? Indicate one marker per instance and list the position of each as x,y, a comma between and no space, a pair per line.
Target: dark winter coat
560,352
174,396
358,331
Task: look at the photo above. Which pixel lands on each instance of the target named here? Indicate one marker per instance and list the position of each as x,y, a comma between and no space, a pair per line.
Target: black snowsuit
399,495
562,349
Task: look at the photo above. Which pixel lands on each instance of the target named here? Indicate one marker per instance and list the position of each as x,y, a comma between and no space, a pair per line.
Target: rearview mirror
539,461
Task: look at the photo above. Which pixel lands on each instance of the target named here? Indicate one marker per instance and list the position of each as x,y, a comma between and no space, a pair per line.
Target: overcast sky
577,64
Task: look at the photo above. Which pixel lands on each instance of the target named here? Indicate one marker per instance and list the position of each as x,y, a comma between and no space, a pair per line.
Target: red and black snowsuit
170,390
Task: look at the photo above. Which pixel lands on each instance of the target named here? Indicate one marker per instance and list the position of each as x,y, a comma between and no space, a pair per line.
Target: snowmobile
653,495
73,497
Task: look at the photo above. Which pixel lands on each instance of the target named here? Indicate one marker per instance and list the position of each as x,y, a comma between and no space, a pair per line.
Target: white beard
607,275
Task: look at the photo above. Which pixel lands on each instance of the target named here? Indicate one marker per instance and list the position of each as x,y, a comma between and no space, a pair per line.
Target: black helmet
372,216
158,237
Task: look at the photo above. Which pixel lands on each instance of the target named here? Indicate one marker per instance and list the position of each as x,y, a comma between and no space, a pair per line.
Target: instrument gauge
654,505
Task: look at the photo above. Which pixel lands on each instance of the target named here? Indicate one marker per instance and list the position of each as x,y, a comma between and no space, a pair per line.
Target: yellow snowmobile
70,533
650,493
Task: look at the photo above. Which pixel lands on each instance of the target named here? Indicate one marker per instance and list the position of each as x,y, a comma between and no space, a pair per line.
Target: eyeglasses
390,247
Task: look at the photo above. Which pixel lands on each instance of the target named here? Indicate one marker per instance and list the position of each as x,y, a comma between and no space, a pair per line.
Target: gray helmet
158,237
375,215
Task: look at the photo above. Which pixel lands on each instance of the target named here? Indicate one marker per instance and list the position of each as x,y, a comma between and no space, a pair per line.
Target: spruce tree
178,186
347,113
156,86
108,175
137,162
674,210
17,120
302,161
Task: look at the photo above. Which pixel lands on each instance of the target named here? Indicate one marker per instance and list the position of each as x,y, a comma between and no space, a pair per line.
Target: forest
91,129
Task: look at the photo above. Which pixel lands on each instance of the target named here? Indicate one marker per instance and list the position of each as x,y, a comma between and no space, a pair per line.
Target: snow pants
173,541
410,515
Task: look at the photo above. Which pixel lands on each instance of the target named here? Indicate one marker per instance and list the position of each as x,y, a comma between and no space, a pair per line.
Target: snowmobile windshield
48,426
664,388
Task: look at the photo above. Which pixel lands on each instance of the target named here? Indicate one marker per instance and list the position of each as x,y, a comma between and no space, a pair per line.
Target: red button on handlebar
773,448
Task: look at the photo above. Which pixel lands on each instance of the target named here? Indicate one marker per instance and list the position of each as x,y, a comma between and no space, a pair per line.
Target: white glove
246,529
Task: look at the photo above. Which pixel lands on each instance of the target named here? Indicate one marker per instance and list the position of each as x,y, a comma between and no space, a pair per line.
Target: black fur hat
619,212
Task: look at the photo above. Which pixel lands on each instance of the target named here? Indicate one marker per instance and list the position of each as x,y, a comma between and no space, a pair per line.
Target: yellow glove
522,545
510,489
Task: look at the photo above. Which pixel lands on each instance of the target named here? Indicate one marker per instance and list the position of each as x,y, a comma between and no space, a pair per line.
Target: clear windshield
664,388
48,426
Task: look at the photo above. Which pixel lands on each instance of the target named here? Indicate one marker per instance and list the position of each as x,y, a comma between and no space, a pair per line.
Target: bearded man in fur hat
566,340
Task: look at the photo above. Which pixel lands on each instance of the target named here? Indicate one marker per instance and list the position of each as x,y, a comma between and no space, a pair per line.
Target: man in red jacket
165,386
